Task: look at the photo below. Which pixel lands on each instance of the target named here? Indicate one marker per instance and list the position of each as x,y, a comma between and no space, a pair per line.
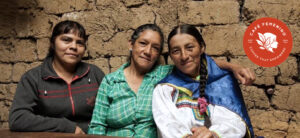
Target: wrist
231,66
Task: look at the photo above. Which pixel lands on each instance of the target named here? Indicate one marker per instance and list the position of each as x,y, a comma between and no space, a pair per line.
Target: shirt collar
120,72
49,72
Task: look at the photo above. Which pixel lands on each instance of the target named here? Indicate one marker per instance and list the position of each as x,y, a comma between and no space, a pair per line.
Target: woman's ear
202,49
130,45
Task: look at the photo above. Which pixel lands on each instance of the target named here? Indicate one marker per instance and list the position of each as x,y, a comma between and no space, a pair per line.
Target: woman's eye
175,51
80,43
156,49
190,47
142,43
66,39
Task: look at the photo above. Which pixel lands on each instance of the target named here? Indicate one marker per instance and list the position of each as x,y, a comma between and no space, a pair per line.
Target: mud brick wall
273,101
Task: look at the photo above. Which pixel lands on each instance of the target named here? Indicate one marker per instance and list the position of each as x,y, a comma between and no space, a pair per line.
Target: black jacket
45,102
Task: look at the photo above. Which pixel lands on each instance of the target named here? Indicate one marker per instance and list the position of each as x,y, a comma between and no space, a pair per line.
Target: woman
124,100
58,95
179,102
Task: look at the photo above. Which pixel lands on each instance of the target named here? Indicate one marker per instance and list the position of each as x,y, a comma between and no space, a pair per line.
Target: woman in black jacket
58,95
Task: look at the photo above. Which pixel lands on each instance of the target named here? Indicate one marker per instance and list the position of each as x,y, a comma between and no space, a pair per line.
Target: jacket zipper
69,87
70,93
71,99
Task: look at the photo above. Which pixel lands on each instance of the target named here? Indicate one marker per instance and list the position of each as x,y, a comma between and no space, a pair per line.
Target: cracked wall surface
272,102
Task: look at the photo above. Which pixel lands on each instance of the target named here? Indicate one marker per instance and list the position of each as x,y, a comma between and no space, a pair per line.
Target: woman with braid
198,99
124,100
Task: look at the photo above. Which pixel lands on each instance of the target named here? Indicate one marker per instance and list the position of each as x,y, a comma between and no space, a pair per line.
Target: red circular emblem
267,42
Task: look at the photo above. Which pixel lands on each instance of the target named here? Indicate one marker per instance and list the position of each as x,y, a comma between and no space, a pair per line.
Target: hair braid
191,30
203,80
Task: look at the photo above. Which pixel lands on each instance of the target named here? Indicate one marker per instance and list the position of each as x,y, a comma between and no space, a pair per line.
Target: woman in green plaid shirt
124,102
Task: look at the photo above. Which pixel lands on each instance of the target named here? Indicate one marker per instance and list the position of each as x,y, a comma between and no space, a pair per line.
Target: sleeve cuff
68,126
186,136
215,134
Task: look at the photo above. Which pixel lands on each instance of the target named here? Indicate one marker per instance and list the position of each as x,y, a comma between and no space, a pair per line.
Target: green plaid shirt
121,112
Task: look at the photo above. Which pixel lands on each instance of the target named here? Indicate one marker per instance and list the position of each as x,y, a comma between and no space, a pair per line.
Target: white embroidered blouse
175,114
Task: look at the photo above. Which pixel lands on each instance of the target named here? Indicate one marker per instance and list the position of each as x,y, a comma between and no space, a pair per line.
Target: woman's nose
148,50
184,56
73,45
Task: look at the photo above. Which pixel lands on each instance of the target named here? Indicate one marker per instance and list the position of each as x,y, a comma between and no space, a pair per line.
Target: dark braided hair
203,80
191,30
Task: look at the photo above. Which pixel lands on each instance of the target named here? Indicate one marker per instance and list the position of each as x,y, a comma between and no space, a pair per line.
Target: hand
78,130
245,75
201,132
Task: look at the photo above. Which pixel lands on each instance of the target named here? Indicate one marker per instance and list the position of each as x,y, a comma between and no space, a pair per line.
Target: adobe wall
273,101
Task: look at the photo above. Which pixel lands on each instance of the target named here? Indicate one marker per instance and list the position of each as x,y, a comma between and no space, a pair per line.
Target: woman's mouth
71,54
185,63
145,58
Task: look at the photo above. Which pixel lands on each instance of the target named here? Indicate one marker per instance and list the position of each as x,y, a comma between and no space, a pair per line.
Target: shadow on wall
8,12
17,18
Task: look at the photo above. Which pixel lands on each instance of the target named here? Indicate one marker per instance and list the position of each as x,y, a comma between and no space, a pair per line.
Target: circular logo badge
267,42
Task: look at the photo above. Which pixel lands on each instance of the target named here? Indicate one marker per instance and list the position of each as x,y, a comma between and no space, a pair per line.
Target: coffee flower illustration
267,41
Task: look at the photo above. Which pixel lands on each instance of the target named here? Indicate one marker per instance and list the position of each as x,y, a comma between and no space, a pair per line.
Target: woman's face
146,50
185,52
69,48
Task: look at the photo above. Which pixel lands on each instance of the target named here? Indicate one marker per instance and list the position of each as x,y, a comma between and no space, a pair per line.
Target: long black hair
65,27
191,30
